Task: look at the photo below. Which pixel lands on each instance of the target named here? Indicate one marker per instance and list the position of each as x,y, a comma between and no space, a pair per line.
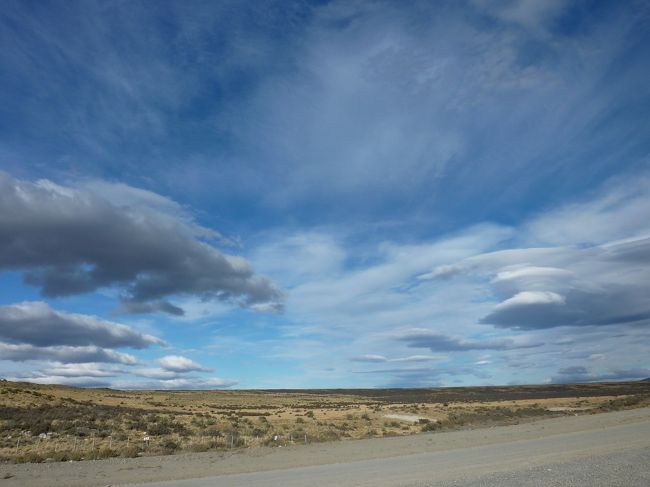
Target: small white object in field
411,418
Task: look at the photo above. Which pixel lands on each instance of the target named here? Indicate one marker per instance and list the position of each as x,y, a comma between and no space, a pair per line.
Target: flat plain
49,423
606,449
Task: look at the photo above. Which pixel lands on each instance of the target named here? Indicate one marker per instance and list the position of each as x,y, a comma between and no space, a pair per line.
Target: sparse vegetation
54,423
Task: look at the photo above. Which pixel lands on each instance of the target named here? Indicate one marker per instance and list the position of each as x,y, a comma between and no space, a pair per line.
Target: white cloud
441,272
618,212
371,358
180,364
81,375
314,255
82,370
419,358
64,354
507,278
526,298
427,114
580,264
439,342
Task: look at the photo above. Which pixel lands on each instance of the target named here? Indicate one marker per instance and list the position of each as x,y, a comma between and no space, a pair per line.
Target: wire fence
57,447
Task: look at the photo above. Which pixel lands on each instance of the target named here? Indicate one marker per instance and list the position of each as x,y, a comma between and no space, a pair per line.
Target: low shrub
29,458
130,452
430,426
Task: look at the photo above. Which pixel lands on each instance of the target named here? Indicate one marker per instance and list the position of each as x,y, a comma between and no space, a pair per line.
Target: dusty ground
521,446
57,424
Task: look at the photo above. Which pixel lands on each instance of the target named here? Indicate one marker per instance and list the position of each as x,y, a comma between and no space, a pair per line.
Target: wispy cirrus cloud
372,358
437,342
390,167
568,274
515,294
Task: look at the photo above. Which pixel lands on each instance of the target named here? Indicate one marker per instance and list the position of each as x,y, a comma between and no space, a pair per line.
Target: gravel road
610,449
585,458
627,469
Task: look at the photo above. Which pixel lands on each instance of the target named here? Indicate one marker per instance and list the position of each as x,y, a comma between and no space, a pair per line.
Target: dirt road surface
608,449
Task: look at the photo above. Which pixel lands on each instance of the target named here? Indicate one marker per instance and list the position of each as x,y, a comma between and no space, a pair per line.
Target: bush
430,426
130,452
213,432
29,458
169,445
102,453
200,447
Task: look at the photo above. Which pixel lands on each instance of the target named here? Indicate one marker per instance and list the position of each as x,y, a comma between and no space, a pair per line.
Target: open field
41,423
608,449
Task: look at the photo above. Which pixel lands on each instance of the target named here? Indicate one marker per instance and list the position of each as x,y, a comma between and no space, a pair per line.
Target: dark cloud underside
38,324
70,241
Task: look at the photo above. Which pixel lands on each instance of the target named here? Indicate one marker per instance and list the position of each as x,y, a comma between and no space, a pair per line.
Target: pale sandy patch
412,418
560,408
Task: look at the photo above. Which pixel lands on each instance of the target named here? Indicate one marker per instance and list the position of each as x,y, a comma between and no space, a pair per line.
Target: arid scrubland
54,423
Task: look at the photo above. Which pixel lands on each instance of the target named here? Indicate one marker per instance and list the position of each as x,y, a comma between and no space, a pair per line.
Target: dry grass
55,423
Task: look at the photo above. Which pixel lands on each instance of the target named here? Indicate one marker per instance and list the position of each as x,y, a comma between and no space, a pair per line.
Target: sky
324,194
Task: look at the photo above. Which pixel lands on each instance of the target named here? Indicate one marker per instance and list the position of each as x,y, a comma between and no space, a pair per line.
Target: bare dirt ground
466,452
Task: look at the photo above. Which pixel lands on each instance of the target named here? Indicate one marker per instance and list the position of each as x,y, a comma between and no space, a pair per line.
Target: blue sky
324,194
